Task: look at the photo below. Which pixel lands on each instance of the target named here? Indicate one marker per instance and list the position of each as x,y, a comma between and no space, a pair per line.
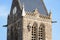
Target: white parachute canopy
23,11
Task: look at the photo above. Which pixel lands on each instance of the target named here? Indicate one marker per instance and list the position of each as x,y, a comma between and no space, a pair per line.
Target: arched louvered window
34,31
42,32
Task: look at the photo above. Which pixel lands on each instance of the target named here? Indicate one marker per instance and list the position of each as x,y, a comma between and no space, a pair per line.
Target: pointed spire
23,11
36,11
50,13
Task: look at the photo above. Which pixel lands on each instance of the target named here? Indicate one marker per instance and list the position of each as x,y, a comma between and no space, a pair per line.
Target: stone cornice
37,14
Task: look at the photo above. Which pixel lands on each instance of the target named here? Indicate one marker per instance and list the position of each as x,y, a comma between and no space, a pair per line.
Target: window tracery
41,32
34,31
29,27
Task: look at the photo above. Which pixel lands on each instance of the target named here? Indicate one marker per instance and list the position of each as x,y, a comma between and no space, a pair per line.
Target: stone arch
29,26
34,31
42,31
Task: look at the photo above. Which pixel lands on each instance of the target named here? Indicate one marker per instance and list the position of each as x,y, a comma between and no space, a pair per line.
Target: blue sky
53,5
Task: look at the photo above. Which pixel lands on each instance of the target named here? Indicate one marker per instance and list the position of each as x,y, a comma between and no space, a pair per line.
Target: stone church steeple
29,21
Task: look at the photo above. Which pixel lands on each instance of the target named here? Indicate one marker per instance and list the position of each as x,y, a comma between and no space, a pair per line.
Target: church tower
29,20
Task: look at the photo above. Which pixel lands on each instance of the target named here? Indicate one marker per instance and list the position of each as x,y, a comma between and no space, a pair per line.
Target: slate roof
31,5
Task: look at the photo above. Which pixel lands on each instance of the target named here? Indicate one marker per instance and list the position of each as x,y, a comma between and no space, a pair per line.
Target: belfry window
34,31
41,32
